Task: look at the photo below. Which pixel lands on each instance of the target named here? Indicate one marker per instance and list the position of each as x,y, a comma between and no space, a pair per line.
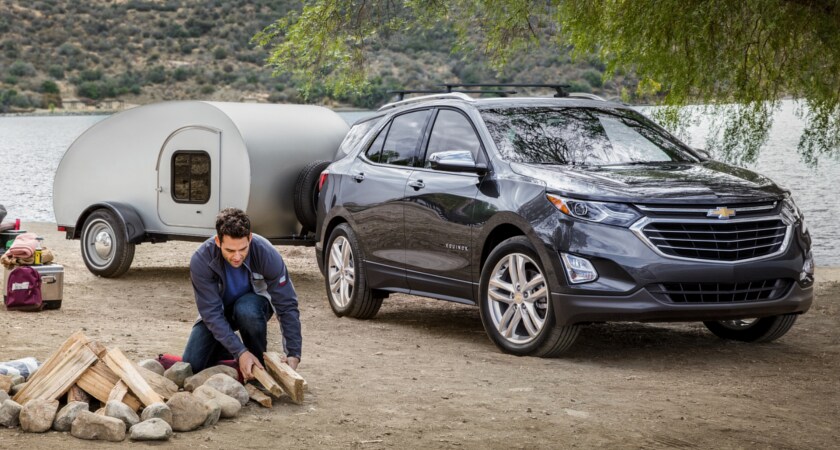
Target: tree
739,58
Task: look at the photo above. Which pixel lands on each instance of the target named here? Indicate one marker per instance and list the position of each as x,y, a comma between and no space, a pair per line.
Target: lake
31,148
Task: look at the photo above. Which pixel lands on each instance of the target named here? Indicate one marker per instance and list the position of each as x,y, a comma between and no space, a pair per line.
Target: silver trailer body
174,165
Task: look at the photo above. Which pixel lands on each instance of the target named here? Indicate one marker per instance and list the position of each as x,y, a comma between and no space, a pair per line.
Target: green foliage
219,53
49,87
156,75
712,52
21,69
56,72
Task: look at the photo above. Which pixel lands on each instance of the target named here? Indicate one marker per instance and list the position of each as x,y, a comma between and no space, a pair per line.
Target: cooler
52,284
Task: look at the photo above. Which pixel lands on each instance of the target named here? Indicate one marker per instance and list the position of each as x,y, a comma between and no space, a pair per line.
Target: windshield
581,136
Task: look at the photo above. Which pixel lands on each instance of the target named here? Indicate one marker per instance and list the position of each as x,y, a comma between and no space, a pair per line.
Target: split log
60,371
265,379
119,392
291,382
77,394
127,371
99,381
165,387
257,395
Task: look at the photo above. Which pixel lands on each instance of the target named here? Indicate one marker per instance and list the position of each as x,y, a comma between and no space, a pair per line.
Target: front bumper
628,268
642,306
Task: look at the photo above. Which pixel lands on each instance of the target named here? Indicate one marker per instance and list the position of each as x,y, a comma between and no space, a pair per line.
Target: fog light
579,270
807,274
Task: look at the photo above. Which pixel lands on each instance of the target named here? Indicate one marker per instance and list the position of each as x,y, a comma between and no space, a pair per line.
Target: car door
373,193
439,212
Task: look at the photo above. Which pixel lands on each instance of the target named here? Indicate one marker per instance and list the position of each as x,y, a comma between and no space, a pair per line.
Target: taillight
62,228
323,179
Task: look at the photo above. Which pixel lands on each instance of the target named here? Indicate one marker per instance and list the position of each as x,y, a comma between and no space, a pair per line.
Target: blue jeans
249,315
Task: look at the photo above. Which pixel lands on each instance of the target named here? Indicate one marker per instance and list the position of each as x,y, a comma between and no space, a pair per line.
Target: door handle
417,185
359,177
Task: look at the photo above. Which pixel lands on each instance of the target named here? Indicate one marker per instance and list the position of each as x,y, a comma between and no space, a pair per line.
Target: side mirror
702,153
456,161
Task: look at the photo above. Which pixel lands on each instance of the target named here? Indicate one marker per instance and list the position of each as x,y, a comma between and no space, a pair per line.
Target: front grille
751,291
717,241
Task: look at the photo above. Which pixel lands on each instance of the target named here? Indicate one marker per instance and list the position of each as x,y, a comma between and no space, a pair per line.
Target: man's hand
246,363
292,362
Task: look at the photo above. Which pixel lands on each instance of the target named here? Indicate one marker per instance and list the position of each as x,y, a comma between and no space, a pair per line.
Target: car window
451,132
581,136
374,152
403,137
354,137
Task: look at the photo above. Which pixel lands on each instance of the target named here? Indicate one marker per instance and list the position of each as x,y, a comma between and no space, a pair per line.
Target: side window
190,176
354,137
452,132
374,152
401,142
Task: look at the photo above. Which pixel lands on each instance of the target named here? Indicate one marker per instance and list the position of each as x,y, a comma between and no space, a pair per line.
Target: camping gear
23,290
24,367
52,283
7,238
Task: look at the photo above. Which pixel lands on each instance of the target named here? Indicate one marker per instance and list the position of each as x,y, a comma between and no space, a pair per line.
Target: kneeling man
240,280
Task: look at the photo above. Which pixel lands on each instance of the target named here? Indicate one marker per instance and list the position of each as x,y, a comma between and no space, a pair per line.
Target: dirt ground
424,375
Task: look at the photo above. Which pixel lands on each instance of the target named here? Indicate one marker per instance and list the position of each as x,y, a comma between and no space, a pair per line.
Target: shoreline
823,274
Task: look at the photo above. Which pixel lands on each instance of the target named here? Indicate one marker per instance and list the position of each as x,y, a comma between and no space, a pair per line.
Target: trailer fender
135,231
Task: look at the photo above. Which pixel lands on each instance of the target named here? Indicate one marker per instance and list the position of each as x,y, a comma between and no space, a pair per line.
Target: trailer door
188,178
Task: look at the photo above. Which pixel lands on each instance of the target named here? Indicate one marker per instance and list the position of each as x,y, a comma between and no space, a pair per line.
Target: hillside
114,52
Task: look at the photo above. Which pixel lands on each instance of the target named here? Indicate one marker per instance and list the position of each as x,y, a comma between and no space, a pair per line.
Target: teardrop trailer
161,172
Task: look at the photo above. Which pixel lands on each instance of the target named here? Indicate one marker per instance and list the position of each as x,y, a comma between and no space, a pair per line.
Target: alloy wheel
341,272
518,298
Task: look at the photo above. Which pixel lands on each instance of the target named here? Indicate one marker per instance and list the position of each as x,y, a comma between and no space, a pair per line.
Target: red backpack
23,290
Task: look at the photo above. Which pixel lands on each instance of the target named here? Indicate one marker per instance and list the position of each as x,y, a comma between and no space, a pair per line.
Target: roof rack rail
441,96
587,95
561,89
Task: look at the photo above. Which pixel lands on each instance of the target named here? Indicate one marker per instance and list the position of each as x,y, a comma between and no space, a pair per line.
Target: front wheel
105,250
765,329
345,277
515,303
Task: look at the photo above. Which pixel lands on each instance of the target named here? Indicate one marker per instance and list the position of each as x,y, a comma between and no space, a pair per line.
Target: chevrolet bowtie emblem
721,213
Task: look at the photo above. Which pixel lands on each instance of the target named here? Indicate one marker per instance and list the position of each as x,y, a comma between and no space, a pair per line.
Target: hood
704,182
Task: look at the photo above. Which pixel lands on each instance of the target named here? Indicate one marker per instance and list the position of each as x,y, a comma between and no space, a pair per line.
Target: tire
306,194
105,250
765,329
347,288
503,302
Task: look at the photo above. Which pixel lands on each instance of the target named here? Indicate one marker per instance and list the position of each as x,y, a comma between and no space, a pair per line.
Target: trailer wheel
306,194
105,249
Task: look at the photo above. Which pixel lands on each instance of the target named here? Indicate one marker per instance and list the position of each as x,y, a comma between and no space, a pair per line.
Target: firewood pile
141,401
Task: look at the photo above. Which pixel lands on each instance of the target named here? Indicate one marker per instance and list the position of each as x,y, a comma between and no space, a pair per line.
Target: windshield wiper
641,163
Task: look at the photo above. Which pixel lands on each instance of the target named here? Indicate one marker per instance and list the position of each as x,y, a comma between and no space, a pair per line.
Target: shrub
207,89
49,87
594,78
56,72
21,69
91,75
156,75
219,53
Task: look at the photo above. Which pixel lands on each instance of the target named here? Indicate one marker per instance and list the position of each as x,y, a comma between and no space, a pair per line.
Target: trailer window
190,177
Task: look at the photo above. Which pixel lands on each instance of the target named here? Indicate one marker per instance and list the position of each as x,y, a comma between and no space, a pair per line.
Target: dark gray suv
549,214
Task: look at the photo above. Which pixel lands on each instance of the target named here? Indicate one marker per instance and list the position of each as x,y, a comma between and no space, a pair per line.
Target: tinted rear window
581,136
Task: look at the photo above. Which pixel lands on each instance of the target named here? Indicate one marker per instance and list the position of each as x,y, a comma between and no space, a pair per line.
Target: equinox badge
721,213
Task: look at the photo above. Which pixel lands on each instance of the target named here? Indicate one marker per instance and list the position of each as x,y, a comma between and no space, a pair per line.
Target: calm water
31,148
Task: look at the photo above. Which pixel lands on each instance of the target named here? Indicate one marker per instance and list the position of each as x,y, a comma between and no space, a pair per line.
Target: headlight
600,212
792,212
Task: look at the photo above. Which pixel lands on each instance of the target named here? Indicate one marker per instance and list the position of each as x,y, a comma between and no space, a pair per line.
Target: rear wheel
765,329
105,249
345,278
515,303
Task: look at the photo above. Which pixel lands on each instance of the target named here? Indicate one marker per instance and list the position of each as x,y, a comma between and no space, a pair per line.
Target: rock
10,414
179,372
17,388
95,427
230,406
228,386
214,412
188,412
5,383
157,411
154,429
153,365
64,420
37,416
3,397
193,382
119,410
17,379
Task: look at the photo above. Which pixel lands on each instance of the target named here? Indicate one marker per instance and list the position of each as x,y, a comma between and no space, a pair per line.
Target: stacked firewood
145,404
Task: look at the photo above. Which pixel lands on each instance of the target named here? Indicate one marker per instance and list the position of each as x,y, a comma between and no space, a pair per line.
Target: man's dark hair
232,222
